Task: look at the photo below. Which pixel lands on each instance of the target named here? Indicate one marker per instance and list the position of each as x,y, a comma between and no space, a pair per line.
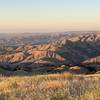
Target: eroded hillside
78,53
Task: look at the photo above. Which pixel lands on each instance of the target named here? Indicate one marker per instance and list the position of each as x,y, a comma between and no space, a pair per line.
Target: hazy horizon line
52,31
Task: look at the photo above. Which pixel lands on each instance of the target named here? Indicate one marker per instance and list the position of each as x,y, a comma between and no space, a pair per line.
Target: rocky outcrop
49,55
17,57
93,60
78,70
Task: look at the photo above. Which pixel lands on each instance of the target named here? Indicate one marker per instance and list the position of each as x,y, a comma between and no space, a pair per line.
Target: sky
49,15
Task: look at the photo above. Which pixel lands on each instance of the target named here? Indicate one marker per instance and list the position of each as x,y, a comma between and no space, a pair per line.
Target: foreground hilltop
77,53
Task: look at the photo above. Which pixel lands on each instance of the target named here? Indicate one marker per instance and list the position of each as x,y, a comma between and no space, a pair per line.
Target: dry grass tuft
63,75
56,84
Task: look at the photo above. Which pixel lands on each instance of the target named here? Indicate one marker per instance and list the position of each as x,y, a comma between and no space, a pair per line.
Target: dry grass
56,84
50,87
63,75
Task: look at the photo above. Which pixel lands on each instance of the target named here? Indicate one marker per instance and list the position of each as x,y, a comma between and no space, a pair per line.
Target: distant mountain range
75,52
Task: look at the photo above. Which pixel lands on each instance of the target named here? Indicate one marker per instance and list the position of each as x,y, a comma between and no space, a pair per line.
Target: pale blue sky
49,15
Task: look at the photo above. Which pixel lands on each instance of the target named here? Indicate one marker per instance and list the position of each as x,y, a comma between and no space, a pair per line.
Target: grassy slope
50,87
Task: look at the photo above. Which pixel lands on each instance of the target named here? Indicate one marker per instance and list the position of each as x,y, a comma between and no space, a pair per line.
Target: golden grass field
50,87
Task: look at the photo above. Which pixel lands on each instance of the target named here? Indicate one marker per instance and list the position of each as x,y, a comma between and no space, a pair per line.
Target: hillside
76,53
